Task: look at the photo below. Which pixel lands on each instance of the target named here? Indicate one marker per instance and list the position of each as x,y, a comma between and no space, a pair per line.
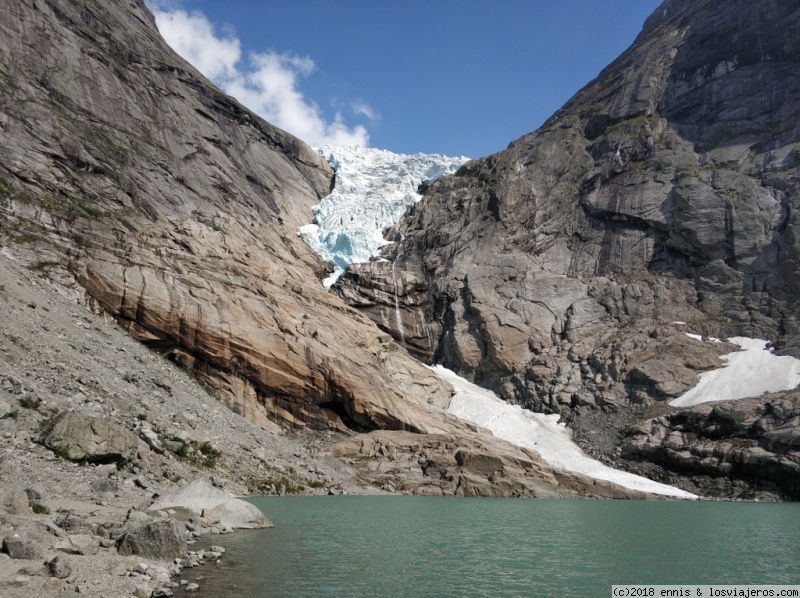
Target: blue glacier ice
373,188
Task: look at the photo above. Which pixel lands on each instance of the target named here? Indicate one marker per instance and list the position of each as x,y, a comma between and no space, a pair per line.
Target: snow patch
747,373
372,190
539,432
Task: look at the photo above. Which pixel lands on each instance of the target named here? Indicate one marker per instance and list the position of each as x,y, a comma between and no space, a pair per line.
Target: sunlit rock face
127,176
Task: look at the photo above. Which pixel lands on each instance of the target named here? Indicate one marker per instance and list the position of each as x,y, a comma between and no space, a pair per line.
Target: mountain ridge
564,271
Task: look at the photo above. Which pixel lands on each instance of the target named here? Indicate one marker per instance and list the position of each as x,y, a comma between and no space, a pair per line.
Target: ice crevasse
373,188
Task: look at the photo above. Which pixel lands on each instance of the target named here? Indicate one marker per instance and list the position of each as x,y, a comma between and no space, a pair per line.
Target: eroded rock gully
661,199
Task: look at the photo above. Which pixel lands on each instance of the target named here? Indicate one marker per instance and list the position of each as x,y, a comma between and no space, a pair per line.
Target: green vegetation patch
203,455
30,402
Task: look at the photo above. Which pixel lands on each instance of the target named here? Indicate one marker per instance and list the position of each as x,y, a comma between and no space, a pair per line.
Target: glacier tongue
372,190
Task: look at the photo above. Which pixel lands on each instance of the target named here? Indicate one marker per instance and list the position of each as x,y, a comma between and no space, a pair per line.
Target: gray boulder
14,501
19,547
59,567
158,540
102,484
82,544
75,524
37,499
151,438
80,437
214,504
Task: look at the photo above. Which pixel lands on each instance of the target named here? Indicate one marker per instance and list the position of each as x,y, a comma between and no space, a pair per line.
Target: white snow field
747,373
373,188
539,432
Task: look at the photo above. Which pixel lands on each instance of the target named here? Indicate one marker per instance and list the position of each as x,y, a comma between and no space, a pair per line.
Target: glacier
372,189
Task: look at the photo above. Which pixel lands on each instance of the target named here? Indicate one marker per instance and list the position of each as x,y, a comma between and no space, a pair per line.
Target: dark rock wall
564,271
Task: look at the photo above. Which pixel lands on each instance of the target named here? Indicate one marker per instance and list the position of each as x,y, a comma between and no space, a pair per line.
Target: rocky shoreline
98,551
94,426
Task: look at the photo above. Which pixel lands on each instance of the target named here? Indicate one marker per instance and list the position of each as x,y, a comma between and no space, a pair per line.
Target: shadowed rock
662,198
81,437
755,439
159,540
19,547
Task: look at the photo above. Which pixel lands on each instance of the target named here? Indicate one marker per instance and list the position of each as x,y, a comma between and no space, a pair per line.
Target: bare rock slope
128,176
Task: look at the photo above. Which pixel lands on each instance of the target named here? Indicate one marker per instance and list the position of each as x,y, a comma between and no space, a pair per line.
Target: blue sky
459,77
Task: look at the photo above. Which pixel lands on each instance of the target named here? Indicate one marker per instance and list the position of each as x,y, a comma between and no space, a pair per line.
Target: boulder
19,547
151,438
86,438
14,501
103,484
59,567
203,499
75,524
159,540
237,514
37,499
82,544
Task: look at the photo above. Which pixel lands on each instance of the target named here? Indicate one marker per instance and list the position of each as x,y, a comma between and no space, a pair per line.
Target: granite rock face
127,176
466,464
151,197
563,271
752,439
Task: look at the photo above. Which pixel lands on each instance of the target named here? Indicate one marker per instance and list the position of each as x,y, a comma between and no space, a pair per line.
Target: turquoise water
429,547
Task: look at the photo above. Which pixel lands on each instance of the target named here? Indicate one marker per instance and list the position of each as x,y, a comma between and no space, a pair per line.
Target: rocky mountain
564,271
137,190
126,175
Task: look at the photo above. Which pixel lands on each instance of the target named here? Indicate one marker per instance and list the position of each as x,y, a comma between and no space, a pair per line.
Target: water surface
441,546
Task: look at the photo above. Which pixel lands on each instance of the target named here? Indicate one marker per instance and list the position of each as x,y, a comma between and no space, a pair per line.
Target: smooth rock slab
217,506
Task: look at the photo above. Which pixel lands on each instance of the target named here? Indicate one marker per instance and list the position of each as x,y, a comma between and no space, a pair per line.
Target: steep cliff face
661,198
150,196
129,177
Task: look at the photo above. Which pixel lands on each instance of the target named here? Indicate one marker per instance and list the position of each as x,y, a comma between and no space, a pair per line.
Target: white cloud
267,82
362,108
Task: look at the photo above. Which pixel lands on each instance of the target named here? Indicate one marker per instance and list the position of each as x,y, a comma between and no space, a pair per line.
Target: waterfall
397,317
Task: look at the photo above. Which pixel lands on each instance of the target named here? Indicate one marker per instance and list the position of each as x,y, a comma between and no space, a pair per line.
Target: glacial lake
407,547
